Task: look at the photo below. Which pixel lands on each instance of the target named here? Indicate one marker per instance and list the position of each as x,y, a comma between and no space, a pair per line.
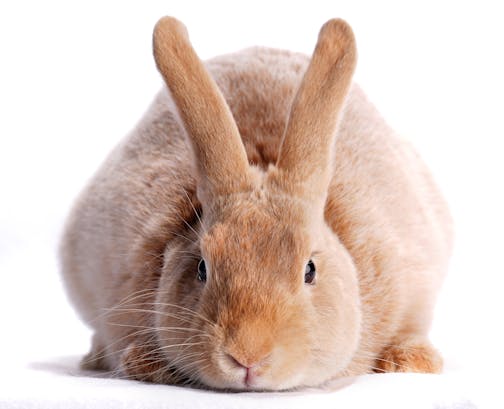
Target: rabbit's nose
245,362
252,367
247,350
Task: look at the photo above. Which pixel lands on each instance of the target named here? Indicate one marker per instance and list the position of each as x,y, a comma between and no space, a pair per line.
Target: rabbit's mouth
271,372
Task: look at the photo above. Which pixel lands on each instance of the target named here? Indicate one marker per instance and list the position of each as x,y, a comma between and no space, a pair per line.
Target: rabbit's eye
201,271
309,273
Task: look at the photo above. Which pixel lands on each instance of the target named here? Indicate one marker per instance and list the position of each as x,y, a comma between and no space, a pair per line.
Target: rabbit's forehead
259,242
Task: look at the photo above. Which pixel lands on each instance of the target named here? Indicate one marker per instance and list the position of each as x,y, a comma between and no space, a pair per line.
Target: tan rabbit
261,228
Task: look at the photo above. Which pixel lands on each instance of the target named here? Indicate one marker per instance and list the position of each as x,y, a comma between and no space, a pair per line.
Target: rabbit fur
257,162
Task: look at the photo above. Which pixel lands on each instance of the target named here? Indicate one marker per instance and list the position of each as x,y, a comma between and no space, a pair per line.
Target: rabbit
262,228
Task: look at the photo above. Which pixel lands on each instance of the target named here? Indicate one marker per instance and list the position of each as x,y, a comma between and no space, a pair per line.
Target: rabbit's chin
265,384
265,378
246,383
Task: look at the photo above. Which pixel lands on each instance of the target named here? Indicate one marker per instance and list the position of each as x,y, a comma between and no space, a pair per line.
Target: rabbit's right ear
221,158
305,155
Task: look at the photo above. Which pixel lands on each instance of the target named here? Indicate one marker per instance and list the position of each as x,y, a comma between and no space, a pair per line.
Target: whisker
188,344
106,353
157,328
169,314
194,209
183,237
129,297
190,227
186,252
397,345
161,313
374,358
195,313
133,309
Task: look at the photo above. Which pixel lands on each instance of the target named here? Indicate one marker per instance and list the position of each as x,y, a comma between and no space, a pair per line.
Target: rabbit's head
271,301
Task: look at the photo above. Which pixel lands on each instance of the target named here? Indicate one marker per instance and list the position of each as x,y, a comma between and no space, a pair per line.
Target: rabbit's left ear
305,153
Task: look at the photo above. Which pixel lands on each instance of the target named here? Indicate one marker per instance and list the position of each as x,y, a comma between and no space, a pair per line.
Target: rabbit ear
306,150
220,154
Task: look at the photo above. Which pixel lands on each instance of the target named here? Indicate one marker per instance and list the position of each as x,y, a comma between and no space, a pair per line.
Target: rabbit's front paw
410,355
139,363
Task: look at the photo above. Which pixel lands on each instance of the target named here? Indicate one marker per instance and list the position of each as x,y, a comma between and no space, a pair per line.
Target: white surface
56,384
75,77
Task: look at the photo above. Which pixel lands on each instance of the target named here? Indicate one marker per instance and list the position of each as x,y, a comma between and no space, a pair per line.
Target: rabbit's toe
410,355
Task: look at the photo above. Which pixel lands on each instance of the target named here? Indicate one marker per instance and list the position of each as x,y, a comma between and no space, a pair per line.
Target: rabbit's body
381,204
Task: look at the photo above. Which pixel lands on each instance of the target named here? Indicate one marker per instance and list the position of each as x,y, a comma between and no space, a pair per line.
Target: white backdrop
76,76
